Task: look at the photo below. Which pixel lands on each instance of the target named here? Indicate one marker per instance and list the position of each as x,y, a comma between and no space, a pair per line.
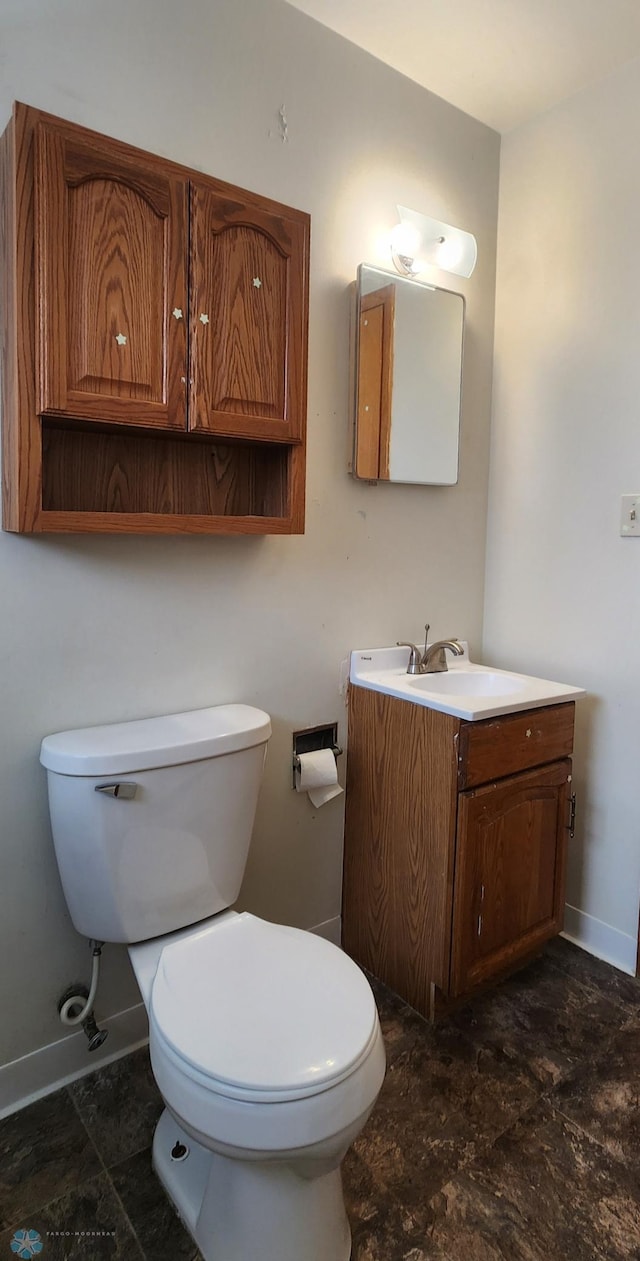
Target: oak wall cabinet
154,342
455,843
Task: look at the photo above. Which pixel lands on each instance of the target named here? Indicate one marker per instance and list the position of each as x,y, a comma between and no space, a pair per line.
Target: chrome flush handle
124,791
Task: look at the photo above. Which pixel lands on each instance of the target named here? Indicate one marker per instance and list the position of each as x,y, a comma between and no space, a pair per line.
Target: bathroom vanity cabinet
155,342
455,843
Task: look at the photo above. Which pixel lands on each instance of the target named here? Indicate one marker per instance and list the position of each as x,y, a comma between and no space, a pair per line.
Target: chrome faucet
433,660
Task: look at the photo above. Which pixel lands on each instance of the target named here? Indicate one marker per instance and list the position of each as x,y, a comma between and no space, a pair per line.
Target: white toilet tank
152,819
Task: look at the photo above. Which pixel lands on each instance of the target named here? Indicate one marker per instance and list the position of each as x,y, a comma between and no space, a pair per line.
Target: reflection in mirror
408,380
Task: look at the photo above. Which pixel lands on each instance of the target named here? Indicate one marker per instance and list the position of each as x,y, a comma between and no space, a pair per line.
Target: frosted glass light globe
405,240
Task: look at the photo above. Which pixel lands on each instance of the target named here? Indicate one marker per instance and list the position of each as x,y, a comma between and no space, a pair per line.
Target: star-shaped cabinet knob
257,282
204,319
121,339
177,313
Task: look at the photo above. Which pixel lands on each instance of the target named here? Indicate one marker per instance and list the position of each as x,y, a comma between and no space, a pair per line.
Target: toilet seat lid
261,1007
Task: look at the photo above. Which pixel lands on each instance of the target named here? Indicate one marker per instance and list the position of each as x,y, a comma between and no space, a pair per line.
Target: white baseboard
50,1067
600,939
331,929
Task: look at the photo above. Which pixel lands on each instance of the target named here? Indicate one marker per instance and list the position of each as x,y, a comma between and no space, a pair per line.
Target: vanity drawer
514,742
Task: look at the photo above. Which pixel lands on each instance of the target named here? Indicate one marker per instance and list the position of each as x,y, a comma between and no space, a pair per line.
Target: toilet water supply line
65,1016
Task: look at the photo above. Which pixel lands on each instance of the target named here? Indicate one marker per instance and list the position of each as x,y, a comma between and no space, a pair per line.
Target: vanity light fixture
418,241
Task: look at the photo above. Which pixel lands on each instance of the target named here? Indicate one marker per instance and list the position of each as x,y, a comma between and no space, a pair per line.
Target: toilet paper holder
312,738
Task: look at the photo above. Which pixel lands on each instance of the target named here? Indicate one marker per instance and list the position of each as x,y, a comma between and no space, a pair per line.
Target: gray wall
101,629
563,589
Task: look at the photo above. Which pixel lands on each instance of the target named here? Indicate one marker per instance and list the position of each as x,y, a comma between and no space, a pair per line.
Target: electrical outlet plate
630,516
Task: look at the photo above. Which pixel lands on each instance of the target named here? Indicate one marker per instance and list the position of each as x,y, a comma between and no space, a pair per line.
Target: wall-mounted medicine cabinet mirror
408,378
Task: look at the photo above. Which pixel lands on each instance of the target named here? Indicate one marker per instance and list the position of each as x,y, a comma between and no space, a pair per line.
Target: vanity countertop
465,690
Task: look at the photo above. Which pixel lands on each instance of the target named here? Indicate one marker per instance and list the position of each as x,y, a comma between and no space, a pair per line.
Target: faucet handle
427,628
415,656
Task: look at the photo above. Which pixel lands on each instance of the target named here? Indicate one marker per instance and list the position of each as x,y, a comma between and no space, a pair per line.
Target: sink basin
465,690
460,682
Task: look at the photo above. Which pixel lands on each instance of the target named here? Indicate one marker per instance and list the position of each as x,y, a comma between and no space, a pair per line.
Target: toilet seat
261,1012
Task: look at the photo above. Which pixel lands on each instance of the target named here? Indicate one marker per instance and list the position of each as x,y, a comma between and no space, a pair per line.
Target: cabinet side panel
296,488
21,439
399,836
8,364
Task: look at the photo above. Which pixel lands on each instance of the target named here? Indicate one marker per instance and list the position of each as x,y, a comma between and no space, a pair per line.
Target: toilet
265,1041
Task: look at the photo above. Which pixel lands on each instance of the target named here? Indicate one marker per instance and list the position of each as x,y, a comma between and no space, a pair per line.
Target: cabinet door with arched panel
111,281
248,324
510,866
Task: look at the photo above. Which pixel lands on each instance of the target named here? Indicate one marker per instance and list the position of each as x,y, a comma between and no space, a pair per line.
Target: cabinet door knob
177,313
204,318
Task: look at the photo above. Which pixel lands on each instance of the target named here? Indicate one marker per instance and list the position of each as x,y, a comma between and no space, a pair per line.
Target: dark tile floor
509,1133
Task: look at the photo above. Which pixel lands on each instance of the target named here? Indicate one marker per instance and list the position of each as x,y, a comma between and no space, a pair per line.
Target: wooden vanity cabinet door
111,251
510,872
248,316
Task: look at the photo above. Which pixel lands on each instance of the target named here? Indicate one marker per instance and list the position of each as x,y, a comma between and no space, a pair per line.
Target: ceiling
503,61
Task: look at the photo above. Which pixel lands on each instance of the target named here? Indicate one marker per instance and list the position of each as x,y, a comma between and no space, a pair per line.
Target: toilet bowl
265,1040
266,1047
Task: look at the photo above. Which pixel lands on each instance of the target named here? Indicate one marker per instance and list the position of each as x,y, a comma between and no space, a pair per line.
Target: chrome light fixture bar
418,241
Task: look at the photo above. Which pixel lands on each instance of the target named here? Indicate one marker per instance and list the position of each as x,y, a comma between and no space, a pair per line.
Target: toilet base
251,1208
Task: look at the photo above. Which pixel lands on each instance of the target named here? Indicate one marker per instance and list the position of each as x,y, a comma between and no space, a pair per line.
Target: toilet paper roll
317,775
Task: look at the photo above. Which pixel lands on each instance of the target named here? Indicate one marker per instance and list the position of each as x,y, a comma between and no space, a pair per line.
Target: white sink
460,682
465,690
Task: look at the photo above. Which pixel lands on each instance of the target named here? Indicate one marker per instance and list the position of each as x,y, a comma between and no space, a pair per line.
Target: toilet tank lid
124,747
